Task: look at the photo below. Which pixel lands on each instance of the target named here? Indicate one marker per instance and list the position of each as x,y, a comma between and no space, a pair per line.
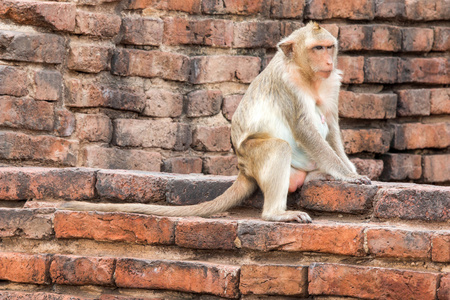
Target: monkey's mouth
324,74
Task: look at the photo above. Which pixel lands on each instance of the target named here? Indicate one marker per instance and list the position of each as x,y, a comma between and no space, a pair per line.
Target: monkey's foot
287,216
360,180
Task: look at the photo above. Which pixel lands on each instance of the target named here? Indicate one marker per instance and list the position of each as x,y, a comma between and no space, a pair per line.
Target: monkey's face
321,55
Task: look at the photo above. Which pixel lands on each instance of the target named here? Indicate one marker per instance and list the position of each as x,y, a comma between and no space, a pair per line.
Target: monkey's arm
335,141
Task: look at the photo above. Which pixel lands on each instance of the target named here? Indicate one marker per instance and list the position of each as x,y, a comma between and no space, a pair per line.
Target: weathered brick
386,38
183,165
440,103
97,24
236,7
417,39
315,237
13,81
27,223
289,26
354,10
202,103
353,68
78,270
26,113
372,168
189,6
206,32
208,138
114,158
424,70
370,37
337,196
221,165
381,69
17,295
444,288
370,140
122,227
42,148
56,16
414,102
89,58
131,62
367,106
142,31
370,282
406,136
441,39
32,47
384,242
389,9
64,122
219,68
230,104
413,203
158,133
162,103
25,268
289,280
194,277
401,166
440,250
48,85
206,234
436,168
287,9
256,34
93,127
425,10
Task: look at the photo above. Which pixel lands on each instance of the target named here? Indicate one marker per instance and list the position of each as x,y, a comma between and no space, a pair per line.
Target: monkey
285,132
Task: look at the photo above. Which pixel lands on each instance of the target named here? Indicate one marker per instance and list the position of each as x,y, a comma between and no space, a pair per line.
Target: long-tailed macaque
285,132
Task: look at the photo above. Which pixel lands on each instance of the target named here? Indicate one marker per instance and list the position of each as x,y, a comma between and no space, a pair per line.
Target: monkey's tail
242,188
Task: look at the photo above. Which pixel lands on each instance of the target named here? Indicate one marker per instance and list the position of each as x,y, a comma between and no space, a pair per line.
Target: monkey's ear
287,47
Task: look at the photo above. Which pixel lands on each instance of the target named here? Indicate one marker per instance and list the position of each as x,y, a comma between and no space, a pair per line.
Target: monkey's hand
358,179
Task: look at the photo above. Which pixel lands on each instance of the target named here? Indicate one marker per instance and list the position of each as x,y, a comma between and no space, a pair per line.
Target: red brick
372,168
220,68
114,158
25,223
367,106
419,136
384,242
194,277
159,133
41,148
413,203
440,103
414,102
381,69
32,47
370,282
64,122
206,138
260,34
370,37
56,16
131,228
289,280
132,186
236,7
89,58
131,62
206,234
183,165
25,268
78,270
93,127
401,166
370,140
444,287
424,70
354,10
417,39
389,9
97,24
15,295
48,85
441,39
26,113
189,6
14,81
203,103
426,10
436,168
287,9
230,104
142,31
441,247
162,103
315,237
353,68
206,32
337,196
221,165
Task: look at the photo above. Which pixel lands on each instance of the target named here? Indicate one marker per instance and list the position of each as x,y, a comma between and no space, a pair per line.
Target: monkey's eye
318,48
330,47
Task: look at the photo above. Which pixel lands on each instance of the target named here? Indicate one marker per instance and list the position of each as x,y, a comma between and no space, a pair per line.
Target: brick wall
152,84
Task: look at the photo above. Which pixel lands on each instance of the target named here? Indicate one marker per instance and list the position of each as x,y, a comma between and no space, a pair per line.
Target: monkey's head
313,49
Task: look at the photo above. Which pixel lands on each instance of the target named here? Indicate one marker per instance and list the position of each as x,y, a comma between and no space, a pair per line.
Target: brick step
380,201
